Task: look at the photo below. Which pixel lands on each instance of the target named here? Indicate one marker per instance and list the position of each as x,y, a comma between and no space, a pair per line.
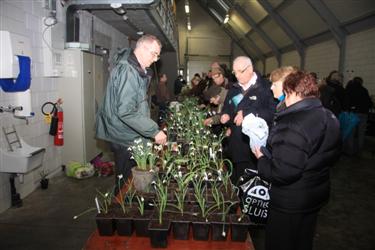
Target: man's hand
224,118
207,122
238,119
160,138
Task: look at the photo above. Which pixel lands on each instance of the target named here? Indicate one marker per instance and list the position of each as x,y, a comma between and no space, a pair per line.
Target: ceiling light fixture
226,18
187,9
117,7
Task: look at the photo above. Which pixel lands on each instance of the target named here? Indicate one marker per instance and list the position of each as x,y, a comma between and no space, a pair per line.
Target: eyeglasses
236,72
216,76
153,53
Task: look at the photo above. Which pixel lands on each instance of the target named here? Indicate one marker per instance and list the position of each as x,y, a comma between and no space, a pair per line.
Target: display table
115,242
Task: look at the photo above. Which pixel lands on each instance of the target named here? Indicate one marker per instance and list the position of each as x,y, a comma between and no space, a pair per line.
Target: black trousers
123,163
290,231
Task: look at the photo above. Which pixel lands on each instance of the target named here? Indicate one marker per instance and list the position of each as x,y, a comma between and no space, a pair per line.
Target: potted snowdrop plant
146,158
122,216
159,226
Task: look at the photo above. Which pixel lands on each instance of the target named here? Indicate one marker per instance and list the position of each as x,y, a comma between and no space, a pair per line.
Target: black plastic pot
141,224
105,225
219,231
124,226
201,230
181,228
159,233
44,183
239,229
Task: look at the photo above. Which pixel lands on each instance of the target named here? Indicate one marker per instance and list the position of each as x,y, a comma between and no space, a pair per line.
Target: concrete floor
45,221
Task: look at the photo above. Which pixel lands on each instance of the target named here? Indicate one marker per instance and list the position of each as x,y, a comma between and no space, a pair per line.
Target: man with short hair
125,113
251,94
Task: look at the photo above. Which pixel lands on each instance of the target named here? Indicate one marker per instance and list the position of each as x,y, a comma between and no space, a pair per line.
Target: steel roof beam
262,34
286,28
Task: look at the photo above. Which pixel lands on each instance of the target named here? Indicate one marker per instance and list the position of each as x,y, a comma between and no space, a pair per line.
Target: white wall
25,18
290,59
322,58
360,58
271,64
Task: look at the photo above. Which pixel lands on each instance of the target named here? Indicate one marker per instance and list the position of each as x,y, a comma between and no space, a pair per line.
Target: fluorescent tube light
226,18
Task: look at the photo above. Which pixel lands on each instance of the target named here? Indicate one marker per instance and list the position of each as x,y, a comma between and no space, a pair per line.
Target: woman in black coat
303,144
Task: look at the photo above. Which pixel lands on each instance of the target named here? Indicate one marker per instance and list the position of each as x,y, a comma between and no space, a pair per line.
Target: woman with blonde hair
277,78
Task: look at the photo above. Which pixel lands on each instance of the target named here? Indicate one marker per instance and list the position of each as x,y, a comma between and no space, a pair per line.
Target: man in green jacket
125,113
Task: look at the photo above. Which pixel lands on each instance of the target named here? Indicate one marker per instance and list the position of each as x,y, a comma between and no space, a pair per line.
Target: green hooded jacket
124,115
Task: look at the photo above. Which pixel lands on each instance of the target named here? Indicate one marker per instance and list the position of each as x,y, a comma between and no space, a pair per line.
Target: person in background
162,97
179,83
216,95
357,100
332,92
124,115
251,94
277,77
303,145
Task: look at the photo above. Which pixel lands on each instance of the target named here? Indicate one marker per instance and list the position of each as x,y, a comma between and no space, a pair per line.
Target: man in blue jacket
125,113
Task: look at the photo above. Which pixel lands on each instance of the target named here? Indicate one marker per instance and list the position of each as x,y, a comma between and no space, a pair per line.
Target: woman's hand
258,153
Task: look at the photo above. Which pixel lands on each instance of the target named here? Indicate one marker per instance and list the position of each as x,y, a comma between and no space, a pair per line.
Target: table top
115,242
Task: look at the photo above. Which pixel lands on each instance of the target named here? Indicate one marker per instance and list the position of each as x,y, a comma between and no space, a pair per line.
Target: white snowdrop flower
106,194
120,176
151,170
219,178
164,162
175,176
142,199
153,183
239,219
149,144
178,167
75,217
205,146
223,233
209,174
180,174
206,219
191,153
205,177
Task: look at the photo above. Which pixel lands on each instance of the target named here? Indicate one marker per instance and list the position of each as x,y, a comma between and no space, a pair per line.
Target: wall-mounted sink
21,160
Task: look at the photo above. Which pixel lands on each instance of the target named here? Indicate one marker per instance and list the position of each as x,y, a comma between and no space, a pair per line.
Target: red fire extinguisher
59,136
